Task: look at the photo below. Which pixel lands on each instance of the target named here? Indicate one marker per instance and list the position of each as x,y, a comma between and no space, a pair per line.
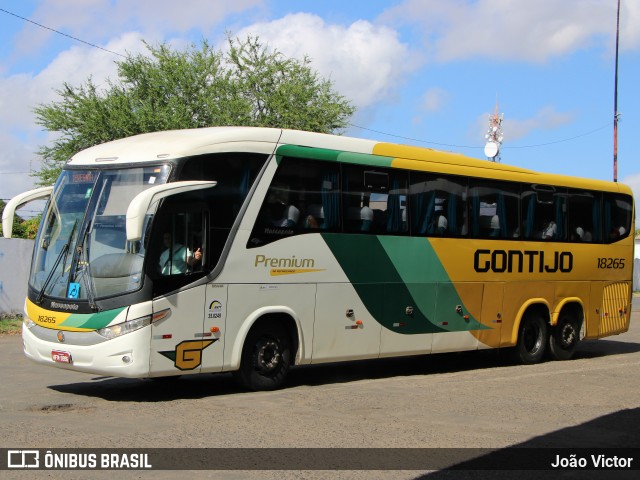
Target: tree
22,228
248,84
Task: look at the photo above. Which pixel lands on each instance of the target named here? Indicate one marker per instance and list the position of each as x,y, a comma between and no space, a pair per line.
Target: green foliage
22,228
247,84
10,324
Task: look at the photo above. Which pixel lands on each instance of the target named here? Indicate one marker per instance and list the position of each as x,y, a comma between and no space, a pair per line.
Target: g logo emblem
188,354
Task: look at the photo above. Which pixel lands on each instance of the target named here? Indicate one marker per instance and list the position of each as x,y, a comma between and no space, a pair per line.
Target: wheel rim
268,356
567,336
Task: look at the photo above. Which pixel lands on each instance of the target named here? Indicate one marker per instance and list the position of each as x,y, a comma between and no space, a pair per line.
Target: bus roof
173,144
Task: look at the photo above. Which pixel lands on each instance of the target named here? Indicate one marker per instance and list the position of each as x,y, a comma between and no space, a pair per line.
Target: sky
420,72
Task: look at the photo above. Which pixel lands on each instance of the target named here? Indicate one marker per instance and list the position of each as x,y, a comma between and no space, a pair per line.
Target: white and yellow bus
249,250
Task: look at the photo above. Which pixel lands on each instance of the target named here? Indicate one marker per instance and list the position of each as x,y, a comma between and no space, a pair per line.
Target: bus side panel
396,342
616,309
492,315
592,315
344,327
177,342
249,303
517,295
454,315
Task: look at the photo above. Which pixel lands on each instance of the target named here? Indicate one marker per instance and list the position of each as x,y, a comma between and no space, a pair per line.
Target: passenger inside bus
439,226
176,259
279,213
549,231
494,226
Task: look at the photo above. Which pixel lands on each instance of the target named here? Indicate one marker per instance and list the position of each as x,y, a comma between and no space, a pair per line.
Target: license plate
60,356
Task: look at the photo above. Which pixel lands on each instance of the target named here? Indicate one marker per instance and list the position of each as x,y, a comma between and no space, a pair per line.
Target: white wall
15,261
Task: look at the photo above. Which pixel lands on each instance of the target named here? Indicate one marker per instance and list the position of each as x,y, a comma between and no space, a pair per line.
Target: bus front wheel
266,358
563,338
532,339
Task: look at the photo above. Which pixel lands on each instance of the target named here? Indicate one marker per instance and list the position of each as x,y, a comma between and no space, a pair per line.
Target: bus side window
304,196
181,248
495,209
544,213
438,205
618,212
375,200
583,214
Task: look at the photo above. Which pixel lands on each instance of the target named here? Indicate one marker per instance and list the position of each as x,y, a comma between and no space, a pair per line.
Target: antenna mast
616,115
494,135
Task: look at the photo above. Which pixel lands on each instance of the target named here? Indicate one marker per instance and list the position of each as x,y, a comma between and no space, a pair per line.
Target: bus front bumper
124,356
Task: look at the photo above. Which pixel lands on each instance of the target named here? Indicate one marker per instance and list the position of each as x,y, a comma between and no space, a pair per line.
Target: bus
251,250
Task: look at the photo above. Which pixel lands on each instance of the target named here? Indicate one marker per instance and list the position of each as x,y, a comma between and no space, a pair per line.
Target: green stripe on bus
378,283
420,268
391,273
92,321
334,155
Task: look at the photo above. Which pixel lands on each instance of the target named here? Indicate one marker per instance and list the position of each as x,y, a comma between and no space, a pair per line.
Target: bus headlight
28,322
123,328
129,326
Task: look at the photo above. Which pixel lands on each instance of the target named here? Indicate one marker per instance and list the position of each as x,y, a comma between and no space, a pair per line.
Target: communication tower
494,136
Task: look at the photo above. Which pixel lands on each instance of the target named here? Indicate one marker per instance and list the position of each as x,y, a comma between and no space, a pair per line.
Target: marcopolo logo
64,306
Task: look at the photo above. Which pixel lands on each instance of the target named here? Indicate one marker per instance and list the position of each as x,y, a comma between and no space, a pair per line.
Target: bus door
177,261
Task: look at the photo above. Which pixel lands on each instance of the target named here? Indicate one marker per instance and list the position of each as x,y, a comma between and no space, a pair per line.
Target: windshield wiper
86,270
63,253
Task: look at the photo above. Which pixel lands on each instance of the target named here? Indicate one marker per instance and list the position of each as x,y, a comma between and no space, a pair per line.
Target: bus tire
564,337
532,339
266,358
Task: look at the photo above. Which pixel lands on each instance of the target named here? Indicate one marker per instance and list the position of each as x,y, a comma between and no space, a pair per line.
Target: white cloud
21,93
96,21
547,118
366,62
16,161
515,29
434,98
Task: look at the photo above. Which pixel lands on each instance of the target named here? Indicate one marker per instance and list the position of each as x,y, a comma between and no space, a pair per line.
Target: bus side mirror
16,202
140,204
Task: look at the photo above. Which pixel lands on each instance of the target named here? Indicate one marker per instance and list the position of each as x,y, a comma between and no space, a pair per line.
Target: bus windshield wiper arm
63,253
65,249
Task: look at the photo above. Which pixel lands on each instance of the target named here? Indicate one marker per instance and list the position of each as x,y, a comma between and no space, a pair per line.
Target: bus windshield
81,251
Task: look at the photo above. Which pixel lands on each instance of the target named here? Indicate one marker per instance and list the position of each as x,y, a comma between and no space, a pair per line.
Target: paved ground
452,400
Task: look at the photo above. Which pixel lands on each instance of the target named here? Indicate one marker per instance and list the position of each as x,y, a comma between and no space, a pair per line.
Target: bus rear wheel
532,339
564,337
266,358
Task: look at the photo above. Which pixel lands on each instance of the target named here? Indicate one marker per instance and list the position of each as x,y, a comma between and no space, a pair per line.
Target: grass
10,324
